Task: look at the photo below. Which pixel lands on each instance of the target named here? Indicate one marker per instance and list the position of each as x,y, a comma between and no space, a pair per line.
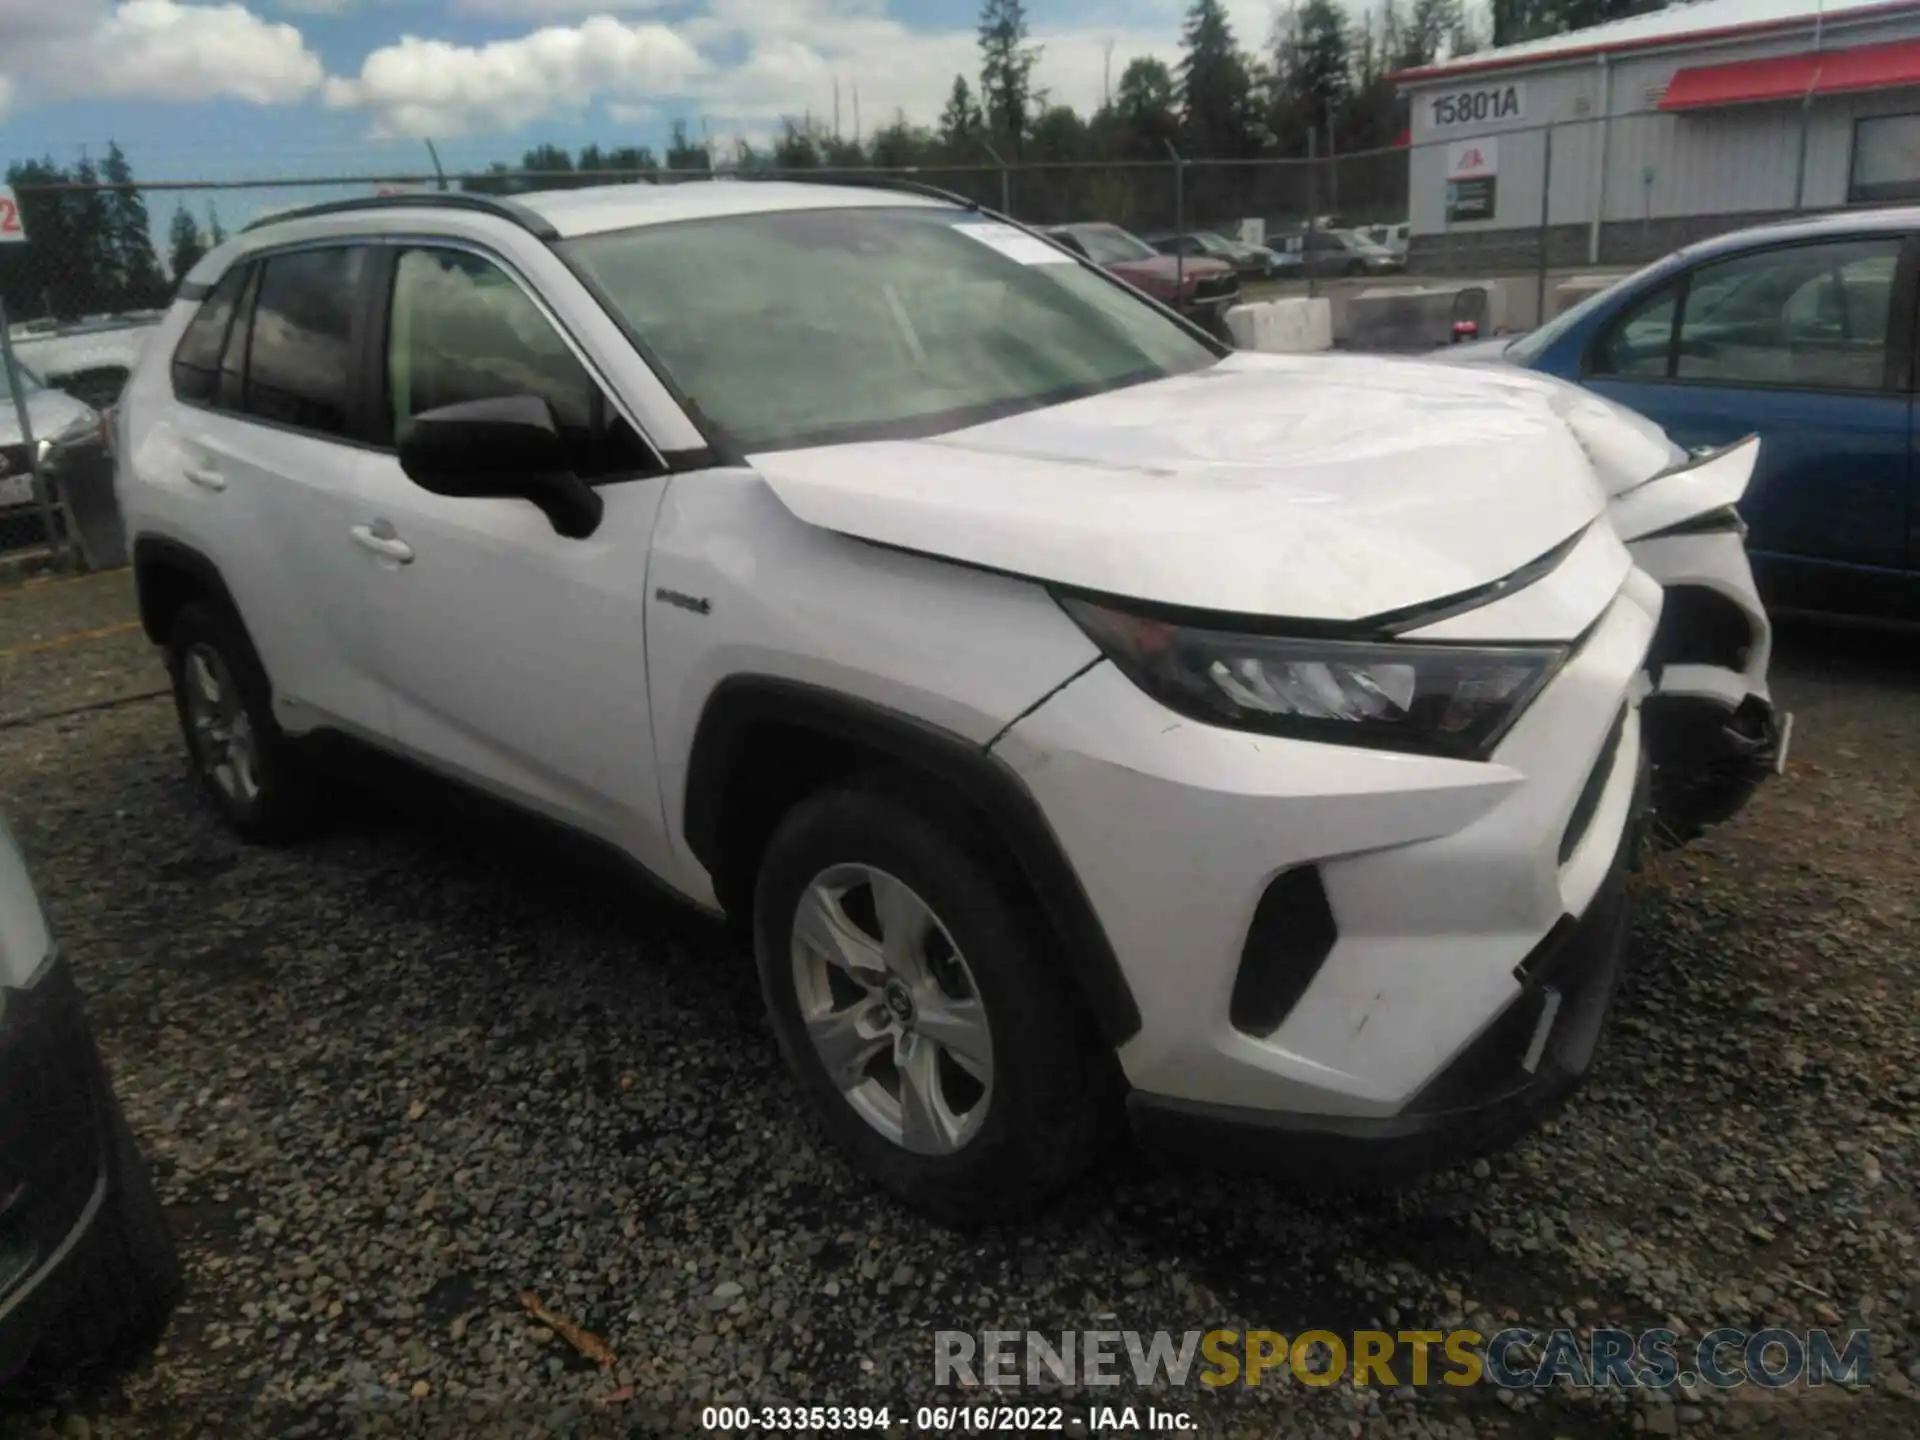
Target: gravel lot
397,1077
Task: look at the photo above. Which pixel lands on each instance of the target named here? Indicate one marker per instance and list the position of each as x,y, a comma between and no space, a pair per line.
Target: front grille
1590,793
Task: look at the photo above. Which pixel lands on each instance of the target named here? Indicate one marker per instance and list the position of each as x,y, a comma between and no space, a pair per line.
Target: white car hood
50,411
1327,487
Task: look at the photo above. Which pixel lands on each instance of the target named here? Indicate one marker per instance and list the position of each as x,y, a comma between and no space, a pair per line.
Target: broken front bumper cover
1707,759
1524,1065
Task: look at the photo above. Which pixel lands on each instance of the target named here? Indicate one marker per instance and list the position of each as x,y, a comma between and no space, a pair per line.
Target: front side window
299,366
1808,316
196,360
1640,343
461,329
817,326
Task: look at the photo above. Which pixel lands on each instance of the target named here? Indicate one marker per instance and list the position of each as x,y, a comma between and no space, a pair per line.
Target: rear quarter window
196,360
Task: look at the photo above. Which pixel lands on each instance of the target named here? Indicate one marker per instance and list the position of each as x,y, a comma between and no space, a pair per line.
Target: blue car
1801,332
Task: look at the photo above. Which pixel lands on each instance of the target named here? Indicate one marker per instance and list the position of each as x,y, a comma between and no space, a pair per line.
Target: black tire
1055,1090
125,1279
1356,268
282,802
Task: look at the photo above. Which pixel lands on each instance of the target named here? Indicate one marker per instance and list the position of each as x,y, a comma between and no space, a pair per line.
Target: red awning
1793,77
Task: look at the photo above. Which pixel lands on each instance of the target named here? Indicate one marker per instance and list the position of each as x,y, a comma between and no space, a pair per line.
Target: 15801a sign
1478,105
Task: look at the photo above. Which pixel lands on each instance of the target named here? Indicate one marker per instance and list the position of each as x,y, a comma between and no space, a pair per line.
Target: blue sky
194,89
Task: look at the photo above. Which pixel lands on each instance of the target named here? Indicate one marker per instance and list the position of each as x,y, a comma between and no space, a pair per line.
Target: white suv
1090,720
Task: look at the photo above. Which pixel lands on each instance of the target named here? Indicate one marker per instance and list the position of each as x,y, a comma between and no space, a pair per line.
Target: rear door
270,448
1808,345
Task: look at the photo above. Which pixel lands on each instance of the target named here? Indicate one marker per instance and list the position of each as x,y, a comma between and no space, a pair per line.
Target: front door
1804,345
515,657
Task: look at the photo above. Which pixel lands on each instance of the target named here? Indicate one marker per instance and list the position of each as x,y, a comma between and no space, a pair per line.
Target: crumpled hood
1327,487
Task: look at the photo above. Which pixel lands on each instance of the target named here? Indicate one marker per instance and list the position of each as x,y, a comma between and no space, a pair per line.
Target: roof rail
426,199
827,176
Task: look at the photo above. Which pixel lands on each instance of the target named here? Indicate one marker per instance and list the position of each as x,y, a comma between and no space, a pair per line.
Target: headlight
1455,700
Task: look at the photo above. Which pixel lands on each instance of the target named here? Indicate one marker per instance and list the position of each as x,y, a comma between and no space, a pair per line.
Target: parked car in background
1345,252
1800,332
1247,260
88,1272
1391,238
1087,719
67,432
88,359
1202,288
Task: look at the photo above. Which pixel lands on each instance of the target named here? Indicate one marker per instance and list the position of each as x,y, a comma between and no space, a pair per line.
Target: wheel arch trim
153,554
740,703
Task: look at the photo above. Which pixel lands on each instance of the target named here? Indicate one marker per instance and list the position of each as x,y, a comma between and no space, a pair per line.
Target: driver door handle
205,476
380,539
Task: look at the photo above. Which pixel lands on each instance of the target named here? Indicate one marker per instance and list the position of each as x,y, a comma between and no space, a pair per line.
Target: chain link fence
1520,212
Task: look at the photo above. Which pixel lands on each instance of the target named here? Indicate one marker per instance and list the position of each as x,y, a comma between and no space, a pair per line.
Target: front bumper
1431,879
54,1157
1502,1086
1711,726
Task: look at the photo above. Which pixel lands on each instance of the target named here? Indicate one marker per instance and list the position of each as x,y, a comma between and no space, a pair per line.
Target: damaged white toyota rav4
1089,721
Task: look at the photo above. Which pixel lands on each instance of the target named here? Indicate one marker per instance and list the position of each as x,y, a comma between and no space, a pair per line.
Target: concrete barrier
1417,318
1289,326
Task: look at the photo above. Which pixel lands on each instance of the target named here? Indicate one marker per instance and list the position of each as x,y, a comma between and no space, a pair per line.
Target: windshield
1107,243
813,327
1522,349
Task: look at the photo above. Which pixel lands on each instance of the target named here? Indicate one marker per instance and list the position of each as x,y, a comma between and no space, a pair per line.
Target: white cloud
151,49
434,87
791,53
549,9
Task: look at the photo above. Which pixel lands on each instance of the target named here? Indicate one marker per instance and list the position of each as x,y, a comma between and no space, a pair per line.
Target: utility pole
836,107
1106,79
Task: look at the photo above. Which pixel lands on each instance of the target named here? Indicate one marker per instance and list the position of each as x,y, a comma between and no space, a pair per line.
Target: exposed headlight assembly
1431,699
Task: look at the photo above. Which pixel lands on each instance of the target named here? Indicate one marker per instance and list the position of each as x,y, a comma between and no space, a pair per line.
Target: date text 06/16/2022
945,1419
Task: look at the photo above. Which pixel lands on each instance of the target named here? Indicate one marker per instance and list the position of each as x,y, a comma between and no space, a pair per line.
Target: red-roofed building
1657,130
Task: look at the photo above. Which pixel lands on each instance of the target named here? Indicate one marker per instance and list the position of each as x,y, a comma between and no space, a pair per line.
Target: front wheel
911,990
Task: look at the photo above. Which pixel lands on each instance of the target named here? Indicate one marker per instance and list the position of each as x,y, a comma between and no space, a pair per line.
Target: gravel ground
397,1077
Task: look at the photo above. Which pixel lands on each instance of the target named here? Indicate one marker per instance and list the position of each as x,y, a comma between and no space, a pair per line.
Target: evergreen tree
1006,72
1323,65
1146,108
185,243
796,148
961,121
142,284
682,153
1430,28
1216,89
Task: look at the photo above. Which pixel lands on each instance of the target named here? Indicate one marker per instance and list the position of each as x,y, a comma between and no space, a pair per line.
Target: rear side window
299,366
196,360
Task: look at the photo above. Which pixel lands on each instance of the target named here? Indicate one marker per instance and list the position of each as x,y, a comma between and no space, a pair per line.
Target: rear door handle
380,539
205,476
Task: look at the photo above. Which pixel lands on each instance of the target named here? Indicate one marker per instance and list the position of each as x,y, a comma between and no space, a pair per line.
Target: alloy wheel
892,1009
223,739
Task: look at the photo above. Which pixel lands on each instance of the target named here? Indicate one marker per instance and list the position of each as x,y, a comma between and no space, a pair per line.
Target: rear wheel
246,766
909,987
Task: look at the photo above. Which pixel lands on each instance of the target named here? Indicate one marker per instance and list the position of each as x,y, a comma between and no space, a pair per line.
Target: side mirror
505,447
